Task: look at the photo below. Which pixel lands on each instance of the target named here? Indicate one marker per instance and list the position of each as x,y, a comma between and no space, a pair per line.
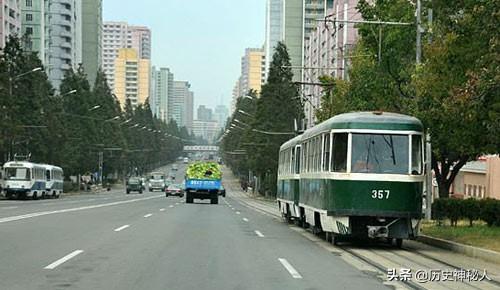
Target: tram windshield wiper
390,143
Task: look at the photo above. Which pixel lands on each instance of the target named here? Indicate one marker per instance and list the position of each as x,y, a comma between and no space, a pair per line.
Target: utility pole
419,31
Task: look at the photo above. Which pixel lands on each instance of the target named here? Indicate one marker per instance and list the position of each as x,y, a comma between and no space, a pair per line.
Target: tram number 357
380,194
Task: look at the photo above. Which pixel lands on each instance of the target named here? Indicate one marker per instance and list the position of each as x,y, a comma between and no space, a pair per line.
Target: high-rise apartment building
162,88
131,77
190,111
252,71
54,29
117,35
10,19
33,26
204,113
294,20
327,53
178,105
91,38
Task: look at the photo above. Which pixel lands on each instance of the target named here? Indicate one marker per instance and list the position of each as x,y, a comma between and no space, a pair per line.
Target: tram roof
367,120
292,142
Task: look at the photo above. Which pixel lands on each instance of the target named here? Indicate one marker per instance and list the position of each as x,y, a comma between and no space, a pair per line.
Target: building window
29,17
29,30
29,3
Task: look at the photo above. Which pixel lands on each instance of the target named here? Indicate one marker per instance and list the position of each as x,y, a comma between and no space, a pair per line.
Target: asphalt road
118,241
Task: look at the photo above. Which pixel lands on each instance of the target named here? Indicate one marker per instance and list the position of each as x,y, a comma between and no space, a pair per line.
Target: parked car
175,189
134,184
222,191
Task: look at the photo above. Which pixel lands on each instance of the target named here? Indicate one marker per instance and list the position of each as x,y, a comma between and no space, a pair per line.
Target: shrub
439,207
490,211
471,209
455,210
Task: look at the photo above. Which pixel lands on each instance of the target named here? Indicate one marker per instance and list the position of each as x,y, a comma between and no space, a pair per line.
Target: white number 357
380,194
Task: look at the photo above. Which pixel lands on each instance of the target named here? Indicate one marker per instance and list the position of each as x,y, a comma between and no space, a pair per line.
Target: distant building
291,21
221,114
190,111
235,95
131,77
208,130
117,35
54,29
478,179
178,105
204,113
91,38
162,89
10,19
327,52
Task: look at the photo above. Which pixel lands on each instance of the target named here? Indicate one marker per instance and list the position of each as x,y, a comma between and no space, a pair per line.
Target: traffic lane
322,268
29,245
196,246
23,207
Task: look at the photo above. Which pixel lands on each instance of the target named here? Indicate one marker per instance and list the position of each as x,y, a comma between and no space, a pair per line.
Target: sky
201,41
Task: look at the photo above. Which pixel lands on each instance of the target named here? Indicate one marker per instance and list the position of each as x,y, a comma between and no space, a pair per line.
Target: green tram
355,175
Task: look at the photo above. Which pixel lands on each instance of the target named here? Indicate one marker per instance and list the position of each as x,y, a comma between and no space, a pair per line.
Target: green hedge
471,209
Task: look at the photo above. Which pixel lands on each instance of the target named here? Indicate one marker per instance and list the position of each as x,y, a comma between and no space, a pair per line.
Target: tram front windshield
17,173
380,153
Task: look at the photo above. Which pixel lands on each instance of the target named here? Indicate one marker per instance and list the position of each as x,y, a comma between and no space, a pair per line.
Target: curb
470,251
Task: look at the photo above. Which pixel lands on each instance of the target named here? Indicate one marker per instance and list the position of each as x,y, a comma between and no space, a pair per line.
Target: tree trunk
445,177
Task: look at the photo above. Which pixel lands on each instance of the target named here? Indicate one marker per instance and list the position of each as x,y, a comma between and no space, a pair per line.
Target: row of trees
454,91
74,127
261,124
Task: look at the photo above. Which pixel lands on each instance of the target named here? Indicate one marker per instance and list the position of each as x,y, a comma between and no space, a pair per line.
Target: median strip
63,259
121,228
290,268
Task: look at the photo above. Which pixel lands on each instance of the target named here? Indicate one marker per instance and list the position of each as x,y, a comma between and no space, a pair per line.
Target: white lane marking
162,209
63,259
290,268
9,207
171,206
245,219
37,214
121,228
148,215
176,203
259,234
238,212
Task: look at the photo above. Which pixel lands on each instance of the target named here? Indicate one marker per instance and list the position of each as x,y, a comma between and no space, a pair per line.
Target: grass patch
479,235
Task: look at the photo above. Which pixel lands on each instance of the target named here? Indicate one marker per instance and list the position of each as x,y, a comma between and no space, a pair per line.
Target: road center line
63,259
259,234
162,209
171,206
36,214
121,228
148,215
238,212
290,268
245,219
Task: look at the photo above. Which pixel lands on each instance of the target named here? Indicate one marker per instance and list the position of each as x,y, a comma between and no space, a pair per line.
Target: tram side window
297,160
292,161
416,155
339,152
310,157
326,150
47,175
304,157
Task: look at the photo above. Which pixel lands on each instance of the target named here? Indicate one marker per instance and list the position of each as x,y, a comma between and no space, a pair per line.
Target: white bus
24,179
55,178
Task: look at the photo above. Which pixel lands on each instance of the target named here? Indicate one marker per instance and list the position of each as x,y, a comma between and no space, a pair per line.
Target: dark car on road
222,191
134,184
175,189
